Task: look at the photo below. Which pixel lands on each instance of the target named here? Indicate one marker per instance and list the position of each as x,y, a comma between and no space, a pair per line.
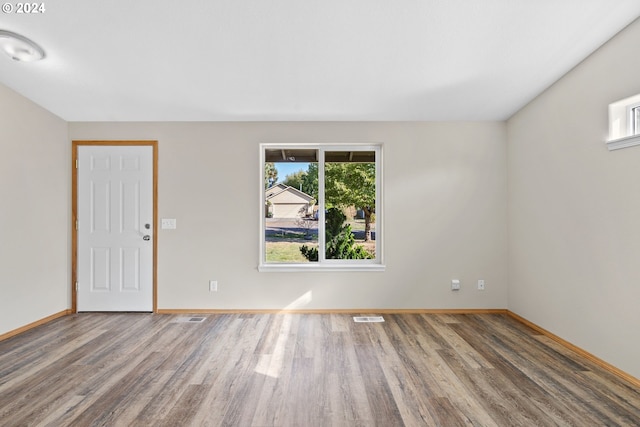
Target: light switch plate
168,223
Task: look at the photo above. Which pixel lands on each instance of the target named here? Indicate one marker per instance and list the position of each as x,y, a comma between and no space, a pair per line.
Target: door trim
74,213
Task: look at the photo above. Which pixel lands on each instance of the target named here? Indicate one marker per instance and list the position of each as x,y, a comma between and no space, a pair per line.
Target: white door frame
74,213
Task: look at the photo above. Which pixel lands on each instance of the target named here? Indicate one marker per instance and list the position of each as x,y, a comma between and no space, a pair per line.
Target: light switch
168,223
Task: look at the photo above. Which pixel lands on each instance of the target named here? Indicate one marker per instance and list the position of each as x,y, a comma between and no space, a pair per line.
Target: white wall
34,212
445,215
574,209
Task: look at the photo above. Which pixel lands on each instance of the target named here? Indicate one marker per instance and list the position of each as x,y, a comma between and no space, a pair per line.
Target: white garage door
288,210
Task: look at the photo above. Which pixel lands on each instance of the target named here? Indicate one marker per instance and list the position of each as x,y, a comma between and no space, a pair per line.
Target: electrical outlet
455,285
213,286
481,285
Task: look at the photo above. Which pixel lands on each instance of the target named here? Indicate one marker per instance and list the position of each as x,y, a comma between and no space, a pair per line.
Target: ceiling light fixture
20,48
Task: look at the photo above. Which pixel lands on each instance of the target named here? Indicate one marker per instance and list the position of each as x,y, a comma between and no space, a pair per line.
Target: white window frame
634,125
621,123
323,264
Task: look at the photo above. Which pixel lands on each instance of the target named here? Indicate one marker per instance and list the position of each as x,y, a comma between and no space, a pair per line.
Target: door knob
146,237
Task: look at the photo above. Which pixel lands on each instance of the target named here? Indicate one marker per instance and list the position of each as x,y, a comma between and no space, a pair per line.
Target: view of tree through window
319,204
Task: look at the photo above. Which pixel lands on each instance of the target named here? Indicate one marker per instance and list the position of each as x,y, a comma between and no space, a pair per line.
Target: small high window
635,120
624,123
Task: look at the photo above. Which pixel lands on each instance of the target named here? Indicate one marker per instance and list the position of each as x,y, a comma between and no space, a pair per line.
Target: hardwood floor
302,370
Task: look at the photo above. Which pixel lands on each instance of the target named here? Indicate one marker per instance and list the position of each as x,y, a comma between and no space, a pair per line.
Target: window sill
297,268
625,142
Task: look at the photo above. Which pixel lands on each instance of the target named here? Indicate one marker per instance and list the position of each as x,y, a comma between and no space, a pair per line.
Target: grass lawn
285,246
285,251
358,225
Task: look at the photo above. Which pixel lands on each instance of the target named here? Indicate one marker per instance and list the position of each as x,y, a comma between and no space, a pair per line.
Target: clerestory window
635,120
624,123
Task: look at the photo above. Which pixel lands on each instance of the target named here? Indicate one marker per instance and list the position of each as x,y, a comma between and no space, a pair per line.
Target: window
634,119
321,207
624,123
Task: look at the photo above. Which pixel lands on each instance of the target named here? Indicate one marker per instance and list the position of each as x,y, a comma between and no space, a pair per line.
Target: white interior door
115,229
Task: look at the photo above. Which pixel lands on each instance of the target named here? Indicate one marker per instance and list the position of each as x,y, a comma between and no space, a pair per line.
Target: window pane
290,211
635,120
350,203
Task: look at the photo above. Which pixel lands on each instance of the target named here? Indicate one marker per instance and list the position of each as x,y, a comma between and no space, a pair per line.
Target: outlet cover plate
168,223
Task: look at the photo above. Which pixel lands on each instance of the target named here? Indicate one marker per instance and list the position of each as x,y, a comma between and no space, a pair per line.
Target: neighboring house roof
281,193
275,189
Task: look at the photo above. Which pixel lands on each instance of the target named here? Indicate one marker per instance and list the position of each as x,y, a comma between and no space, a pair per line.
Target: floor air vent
189,319
368,319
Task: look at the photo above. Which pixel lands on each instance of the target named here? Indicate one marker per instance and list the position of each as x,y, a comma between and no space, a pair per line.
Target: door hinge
76,286
76,163
77,225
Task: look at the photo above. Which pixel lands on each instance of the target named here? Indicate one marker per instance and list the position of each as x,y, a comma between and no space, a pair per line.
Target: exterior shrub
340,243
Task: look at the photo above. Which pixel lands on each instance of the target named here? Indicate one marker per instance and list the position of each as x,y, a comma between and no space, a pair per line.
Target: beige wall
34,212
444,213
574,209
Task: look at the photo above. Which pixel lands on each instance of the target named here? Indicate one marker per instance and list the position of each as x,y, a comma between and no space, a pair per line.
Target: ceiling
304,60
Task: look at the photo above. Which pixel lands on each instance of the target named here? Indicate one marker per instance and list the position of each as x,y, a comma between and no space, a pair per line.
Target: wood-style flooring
302,370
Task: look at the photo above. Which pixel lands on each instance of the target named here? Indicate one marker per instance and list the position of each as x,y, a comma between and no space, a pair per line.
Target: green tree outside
352,184
270,174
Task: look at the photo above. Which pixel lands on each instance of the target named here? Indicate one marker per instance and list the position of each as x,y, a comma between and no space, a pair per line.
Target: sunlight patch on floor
271,364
